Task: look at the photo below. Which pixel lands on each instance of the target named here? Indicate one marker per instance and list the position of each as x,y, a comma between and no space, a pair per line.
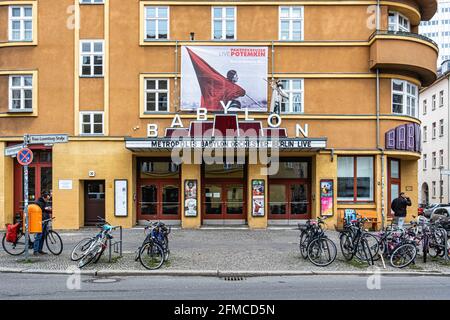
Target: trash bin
34,218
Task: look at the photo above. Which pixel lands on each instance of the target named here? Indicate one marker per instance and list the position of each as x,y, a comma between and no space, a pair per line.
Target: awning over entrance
167,144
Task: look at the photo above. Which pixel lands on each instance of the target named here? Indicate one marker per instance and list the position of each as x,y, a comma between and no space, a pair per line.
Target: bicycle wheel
90,255
303,246
151,256
403,255
16,248
54,242
363,252
322,252
80,249
346,244
425,248
372,244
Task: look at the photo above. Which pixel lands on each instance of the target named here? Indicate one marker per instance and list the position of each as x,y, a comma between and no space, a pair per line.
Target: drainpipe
176,73
378,16
273,61
380,148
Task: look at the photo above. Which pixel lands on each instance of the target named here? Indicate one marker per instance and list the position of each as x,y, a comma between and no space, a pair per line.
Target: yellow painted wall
191,172
254,172
109,159
6,188
325,167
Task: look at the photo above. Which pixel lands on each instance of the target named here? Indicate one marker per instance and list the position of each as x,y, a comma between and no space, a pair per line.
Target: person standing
42,202
278,96
399,206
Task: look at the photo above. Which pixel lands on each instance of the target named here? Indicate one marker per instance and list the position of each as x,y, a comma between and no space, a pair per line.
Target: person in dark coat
399,205
42,202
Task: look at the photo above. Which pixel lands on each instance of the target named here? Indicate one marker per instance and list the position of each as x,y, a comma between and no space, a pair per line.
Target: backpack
11,232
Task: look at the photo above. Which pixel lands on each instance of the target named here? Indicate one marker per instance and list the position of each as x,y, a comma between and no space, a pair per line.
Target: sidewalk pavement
212,252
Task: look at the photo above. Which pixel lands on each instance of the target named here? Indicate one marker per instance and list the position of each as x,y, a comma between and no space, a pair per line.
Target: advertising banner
326,197
214,76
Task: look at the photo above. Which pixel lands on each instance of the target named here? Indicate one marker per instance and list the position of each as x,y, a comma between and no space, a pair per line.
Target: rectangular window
404,98
156,95
424,107
91,58
224,23
92,1
156,23
425,133
433,160
91,123
433,188
441,98
398,22
291,23
441,127
21,93
424,162
20,23
355,179
294,90
441,158
433,102
433,130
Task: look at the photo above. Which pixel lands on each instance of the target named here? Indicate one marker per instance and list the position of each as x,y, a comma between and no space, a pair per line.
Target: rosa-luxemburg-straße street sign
47,138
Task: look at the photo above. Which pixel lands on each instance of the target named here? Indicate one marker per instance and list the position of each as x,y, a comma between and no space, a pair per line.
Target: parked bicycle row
152,253
400,246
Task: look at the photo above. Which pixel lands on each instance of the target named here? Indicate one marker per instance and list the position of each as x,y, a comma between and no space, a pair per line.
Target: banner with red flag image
234,75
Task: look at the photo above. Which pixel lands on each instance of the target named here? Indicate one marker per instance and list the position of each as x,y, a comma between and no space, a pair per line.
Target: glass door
170,200
289,200
213,201
234,205
298,200
158,200
278,200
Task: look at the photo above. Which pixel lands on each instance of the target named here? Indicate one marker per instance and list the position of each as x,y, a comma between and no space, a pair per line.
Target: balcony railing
403,34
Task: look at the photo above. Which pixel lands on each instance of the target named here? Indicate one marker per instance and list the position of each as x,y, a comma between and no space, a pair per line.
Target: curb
219,274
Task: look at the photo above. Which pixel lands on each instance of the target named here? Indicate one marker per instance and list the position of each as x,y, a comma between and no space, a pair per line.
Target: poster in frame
258,198
121,197
190,198
326,197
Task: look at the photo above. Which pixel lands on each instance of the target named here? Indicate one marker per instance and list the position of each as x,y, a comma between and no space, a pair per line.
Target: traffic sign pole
25,195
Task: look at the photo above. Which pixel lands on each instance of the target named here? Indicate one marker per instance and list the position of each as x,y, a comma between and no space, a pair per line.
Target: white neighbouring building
434,112
438,29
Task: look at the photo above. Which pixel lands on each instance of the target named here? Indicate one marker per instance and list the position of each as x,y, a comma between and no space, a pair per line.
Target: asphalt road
35,286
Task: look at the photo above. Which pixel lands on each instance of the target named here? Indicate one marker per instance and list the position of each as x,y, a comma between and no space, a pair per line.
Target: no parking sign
25,156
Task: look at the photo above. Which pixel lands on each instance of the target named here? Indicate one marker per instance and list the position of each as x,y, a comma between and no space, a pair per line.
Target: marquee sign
190,143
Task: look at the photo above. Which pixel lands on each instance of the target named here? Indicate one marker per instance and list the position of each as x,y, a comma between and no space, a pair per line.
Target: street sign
12,150
445,172
47,138
25,156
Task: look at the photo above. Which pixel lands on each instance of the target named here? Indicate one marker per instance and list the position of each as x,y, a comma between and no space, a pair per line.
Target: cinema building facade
134,82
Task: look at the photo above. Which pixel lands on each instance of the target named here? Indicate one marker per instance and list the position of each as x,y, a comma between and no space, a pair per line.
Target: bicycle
155,247
395,246
354,242
92,250
52,240
320,250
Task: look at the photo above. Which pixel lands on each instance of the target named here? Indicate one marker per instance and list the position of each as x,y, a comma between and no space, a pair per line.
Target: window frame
92,54
441,98
290,19
291,93
424,163
156,91
433,102
21,19
22,87
355,178
433,130
433,160
424,106
224,20
91,123
92,2
425,133
405,96
157,19
398,27
441,128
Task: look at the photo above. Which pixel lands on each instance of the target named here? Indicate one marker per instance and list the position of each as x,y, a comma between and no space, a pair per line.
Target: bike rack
116,245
